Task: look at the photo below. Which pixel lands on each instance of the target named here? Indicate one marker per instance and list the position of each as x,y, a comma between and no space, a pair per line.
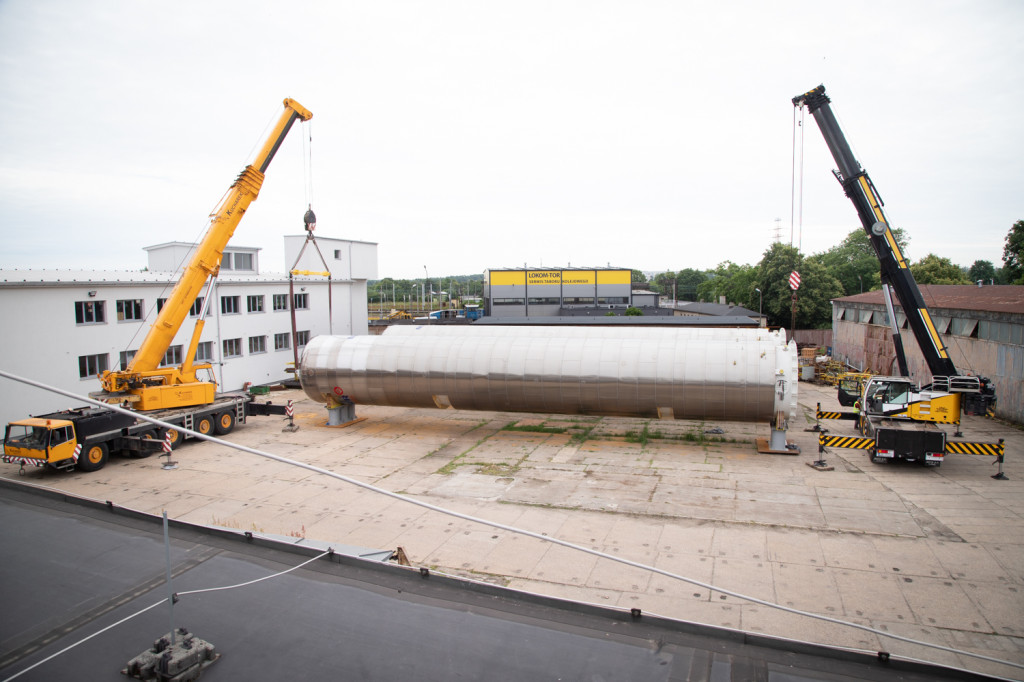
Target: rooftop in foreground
337,617
935,555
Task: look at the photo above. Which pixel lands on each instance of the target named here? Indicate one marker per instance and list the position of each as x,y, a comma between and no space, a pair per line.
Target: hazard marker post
167,453
290,413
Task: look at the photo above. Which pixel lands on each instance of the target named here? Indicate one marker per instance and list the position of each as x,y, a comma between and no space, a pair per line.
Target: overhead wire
506,527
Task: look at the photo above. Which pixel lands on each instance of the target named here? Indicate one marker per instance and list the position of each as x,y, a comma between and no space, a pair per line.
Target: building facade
76,324
982,328
538,292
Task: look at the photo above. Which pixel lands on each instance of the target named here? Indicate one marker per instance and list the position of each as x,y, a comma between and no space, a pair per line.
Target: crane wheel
225,423
205,425
174,435
145,452
94,457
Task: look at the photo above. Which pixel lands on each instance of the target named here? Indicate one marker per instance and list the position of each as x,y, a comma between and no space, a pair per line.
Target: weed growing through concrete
533,428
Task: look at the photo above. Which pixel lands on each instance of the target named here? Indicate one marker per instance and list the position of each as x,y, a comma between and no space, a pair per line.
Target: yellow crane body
145,384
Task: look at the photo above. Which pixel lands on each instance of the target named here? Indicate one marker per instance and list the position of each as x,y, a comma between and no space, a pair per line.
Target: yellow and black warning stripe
854,442
852,416
962,448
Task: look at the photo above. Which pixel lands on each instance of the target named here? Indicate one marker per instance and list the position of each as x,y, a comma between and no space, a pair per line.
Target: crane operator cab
887,395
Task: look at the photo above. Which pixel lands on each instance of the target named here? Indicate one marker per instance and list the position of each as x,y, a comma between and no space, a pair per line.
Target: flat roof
82,566
58,278
602,320
996,299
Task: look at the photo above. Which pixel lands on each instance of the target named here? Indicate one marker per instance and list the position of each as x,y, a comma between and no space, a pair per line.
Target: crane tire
175,437
225,423
94,457
205,425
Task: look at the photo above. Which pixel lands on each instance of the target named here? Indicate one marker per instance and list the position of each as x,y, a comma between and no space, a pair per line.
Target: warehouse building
531,292
982,327
73,325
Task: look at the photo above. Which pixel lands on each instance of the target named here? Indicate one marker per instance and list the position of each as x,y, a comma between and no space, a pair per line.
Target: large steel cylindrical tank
735,374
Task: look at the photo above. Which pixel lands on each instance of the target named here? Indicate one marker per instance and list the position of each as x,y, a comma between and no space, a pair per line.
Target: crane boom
895,270
143,381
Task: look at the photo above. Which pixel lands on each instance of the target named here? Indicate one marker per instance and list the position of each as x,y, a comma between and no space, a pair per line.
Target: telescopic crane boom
894,268
144,383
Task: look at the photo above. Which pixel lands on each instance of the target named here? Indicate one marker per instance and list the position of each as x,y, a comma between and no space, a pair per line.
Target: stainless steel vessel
735,374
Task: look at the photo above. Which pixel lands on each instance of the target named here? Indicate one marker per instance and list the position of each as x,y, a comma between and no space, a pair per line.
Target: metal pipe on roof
729,374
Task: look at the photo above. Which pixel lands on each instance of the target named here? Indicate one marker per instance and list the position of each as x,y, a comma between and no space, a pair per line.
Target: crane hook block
310,220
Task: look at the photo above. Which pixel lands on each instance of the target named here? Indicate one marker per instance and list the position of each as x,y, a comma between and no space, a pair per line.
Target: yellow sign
508,278
614,277
578,277
544,277
556,277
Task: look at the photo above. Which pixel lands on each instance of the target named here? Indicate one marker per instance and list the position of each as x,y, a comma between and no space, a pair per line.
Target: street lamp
861,283
760,315
426,278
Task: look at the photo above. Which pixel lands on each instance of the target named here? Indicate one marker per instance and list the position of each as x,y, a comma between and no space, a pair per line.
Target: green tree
735,282
633,312
854,263
934,269
1013,254
814,298
983,270
639,277
688,281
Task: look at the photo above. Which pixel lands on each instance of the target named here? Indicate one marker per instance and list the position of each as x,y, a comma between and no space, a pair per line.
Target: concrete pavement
931,554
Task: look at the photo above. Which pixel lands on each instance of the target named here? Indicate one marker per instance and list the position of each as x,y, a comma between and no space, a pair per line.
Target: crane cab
40,441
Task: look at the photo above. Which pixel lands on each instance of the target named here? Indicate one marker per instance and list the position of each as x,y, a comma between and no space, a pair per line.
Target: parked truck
85,437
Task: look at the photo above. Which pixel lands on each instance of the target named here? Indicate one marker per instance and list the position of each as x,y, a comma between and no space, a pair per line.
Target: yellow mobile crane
144,383
898,419
84,437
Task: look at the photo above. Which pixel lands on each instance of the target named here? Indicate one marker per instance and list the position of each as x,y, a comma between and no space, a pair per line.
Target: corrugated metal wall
869,347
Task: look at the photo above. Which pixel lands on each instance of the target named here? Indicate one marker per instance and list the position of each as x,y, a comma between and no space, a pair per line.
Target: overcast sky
471,135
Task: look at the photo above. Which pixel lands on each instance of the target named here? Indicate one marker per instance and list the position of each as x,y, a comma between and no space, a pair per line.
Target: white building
63,327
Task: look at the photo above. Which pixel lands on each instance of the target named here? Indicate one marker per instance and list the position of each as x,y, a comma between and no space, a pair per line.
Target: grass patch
581,435
497,470
533,428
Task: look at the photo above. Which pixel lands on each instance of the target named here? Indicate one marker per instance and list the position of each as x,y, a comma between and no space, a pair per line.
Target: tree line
848,268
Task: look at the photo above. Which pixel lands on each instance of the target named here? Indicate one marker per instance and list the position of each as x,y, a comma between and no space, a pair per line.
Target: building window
232,348
578,300
257,344
204,352
229,305
89,312
612,300
91,365
171,357
129,310
243,261
126,357
302,301
197,307
254,304
301,338
337,254
225,262
160,304
508,301
280,301
552,300
282,341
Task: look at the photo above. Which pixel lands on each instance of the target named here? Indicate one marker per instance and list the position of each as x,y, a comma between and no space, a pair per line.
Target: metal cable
153,606
506,527
257,580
